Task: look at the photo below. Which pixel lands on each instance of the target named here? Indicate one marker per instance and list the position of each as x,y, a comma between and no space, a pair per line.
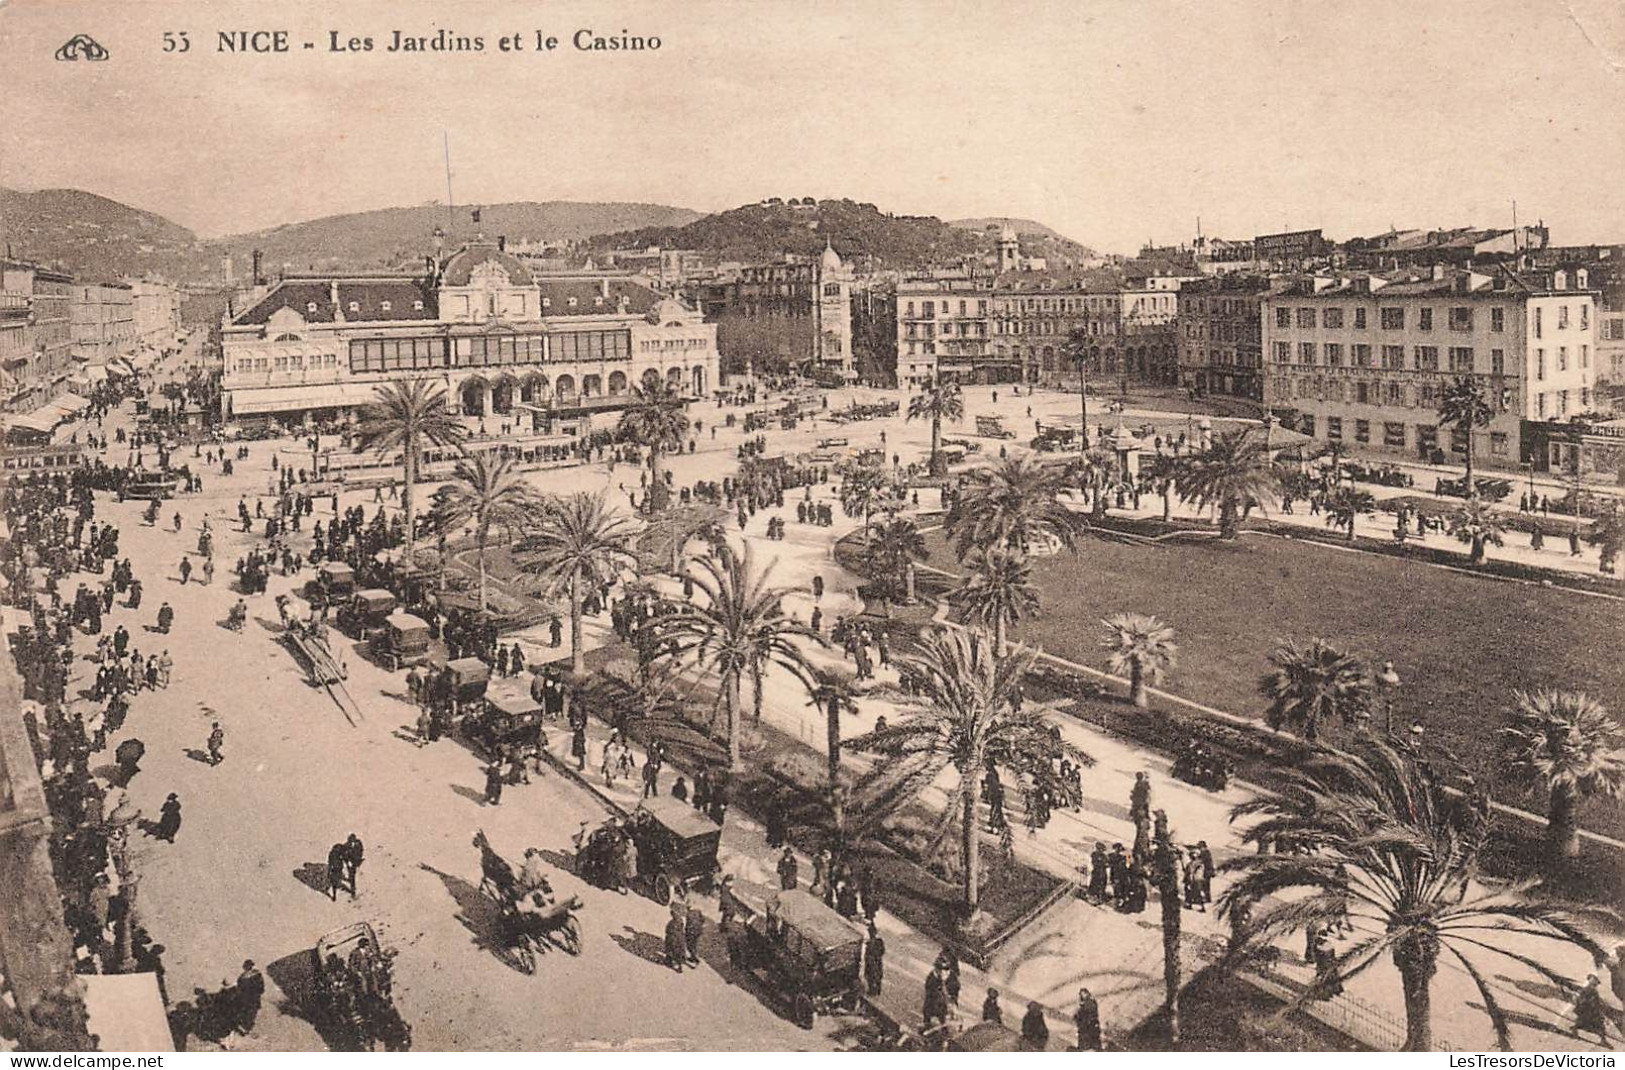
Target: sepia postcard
812,526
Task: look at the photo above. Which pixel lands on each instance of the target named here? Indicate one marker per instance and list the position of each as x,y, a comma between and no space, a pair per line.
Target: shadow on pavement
313,875
475,797
479,914
646,946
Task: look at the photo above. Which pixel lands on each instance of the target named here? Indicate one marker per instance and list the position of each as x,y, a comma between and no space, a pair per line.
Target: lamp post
1387,684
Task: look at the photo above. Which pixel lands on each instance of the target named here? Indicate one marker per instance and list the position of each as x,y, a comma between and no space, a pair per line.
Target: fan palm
1165,472
1346,504
1099,472
1478,525
1235,470
656,418
579,544
999,590
1387,853
1312,684
490,493
1143,647
938,400
738,629
834,693
406,416
1013,504
969,714
896,546
1463,406
1568,744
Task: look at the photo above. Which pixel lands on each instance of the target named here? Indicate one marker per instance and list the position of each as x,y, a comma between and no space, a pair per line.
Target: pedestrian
693,929
217,739
208,571
679,791
677,938
773,824
1589,1013
936,999
788,870
186,570
493,784
335,870
1034,1029
1616,981
651,775
169,818
990,1007
1098,870
354,854
1087,1019
250,993
578,746
874,961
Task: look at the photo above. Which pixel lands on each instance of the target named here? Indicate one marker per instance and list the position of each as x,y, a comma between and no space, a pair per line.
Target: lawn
1461,644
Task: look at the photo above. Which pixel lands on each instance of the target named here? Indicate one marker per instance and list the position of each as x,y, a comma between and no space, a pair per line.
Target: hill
767,230
94,237
394,236
1036,238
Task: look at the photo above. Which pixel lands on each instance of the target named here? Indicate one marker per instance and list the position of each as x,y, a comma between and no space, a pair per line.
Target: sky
1114,122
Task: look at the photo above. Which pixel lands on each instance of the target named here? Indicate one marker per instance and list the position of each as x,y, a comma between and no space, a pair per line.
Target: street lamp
1387,684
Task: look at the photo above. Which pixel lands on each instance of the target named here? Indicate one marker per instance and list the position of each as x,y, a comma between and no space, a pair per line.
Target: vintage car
468,678
810,956
149,486
402,641
354,993
334,585
366,612
511,720
675,843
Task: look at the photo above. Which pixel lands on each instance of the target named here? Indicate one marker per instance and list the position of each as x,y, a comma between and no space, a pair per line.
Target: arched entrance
475,395
699,380
617,384
502,395
565,387
674,378
592,386
533,388
651,381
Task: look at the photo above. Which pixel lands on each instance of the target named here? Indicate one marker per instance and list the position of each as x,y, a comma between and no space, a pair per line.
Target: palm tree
739,628
1463,406
671,531
1314,683
1388,854
579,544
864,488
968,716
656,418
1347,503
489,492
1479,525
1076,351
1233,471
897,545
1099,472
938,400
834,693
1013,504
1165,472
1142,646
999,591
1567,743
406,416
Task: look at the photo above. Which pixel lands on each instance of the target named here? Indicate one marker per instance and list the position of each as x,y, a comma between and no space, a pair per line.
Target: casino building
504,341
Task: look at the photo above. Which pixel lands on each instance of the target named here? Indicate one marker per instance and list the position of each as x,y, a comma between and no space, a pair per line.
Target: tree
1463,406
1076,351
491,494
670,533
1608,535
1568,744
406,416
1314,683
865,488
580,545
897,545
1143,647
738,628
656,418
1478,525
1012,503
999,590
968,715
1099,472
1231,473
1345,504
834,693
938,400
1390,855
1164,473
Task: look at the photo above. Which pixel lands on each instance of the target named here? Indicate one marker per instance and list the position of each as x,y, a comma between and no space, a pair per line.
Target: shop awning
299,398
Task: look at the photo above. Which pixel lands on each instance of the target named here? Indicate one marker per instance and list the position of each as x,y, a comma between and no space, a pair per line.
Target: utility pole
445,136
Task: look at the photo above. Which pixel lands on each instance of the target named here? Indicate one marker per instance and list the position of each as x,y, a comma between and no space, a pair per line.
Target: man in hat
250,992
1087,1019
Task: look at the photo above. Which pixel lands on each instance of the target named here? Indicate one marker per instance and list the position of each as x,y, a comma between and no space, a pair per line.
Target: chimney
603,288
333,298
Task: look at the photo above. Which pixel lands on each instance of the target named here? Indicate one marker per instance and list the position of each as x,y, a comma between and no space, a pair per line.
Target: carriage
354,991
676,844
402,641
530,916
366,612
334,584
809,955
511,721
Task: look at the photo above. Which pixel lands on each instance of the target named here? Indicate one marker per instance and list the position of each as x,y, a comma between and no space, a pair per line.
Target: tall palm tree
1389,855
1165,472
407,415
999,590
896,546
1076,351
968,715
1568,744
1099,472
1314,683
671,531
580,545
738,629
1462,405
1346,504
1142,646
1012,503
656,417
490,493
834,693
865,488
1235,470
938,400
1478,525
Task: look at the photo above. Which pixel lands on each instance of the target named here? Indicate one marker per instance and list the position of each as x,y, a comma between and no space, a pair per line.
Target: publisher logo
81,46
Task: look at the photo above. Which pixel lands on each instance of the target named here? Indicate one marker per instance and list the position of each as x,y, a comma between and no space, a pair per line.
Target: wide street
246,877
